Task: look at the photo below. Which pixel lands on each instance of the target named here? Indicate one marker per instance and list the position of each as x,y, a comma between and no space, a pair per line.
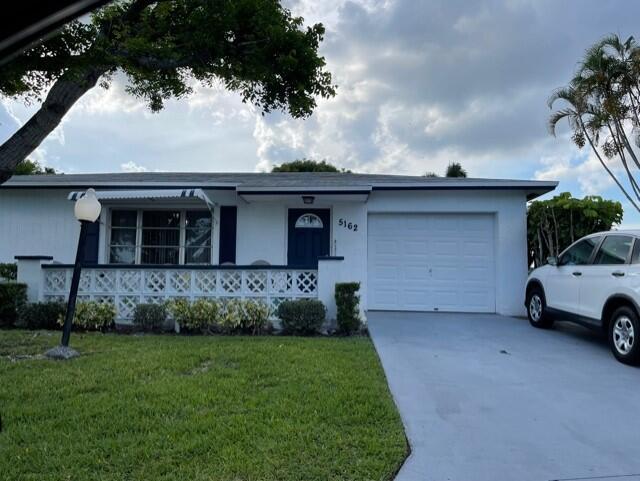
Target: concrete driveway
487,397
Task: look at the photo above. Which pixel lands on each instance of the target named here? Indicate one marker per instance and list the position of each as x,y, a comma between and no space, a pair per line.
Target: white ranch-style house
413,243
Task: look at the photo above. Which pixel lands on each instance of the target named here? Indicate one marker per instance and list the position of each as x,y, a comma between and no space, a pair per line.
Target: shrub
13,296
194,316
347,302
230,319
92,316
256,316
303,316
246,316
8,271
41,315
150,317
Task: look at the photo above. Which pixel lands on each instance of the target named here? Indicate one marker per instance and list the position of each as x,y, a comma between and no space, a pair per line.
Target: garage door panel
385,246
416,247
416,273
441,247
415,299
475,274
385,298
413,224
442,262
387,272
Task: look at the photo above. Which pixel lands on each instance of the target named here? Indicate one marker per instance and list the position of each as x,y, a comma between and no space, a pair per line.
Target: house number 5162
347,225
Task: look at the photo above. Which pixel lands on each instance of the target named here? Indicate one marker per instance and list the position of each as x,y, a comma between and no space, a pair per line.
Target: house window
309,221
160,237
198,238
123,237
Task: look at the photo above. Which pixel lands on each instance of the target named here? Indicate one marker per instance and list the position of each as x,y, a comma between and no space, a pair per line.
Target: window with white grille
160,236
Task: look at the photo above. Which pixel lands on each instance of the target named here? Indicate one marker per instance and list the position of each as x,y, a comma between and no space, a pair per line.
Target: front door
308,236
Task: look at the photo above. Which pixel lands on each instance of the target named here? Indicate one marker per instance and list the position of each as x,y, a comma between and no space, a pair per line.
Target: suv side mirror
552,261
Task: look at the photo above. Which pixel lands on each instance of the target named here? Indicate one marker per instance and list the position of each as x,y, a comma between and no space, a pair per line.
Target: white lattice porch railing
127,286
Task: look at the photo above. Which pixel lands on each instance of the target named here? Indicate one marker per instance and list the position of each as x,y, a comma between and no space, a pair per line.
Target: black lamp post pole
75,282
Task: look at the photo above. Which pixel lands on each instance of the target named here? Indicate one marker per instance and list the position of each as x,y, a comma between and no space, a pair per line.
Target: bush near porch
198,408
13,295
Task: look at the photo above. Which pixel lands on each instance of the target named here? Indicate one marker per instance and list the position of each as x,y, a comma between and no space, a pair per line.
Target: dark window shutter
92,242
228,227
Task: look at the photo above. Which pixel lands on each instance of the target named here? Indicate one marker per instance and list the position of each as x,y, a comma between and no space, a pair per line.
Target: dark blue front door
308,236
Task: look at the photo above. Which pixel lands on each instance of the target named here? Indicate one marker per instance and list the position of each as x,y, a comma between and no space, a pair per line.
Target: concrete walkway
487,397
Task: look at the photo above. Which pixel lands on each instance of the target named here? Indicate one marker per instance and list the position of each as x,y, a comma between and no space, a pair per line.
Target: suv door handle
577,273
617,273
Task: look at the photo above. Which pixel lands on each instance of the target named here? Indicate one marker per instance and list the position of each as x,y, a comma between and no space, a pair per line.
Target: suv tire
537,309
624,329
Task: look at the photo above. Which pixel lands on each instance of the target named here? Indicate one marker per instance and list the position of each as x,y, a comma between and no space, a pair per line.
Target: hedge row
13,296
243,316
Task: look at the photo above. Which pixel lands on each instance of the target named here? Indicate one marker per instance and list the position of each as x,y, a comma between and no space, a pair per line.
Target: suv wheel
624,329
536,309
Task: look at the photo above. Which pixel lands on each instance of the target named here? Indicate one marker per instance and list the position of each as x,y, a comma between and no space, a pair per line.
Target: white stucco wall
37,222
352,244
509,208
262,233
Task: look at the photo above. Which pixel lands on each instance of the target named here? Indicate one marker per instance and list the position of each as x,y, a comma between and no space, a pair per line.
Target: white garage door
431,262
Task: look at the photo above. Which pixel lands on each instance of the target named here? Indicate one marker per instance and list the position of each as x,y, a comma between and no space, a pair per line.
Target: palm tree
602,103
454,169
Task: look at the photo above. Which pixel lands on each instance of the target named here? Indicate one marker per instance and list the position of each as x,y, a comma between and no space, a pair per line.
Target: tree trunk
63,94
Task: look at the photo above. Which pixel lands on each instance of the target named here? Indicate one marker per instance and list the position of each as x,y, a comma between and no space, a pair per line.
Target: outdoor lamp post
86,210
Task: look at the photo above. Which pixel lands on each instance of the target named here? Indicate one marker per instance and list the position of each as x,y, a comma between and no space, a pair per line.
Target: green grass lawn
196,408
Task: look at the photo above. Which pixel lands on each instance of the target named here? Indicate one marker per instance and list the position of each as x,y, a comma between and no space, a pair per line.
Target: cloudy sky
420,84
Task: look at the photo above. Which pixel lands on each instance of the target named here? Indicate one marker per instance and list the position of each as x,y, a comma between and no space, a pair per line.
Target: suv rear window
614,250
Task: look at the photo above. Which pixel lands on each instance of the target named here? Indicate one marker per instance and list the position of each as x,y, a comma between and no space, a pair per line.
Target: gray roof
277,182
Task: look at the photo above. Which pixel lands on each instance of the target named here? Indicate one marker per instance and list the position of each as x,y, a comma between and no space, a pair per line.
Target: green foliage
92,316
230,319
32,167
232,316
554,224
303,316
227,408
307,165
255,315
246,316
601,106
454,169
254,47
150,317
8,271
196,316
347,302
41,315
431,175
13,296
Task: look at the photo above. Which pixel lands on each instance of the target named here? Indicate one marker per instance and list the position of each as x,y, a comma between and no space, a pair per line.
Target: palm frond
557,116
568,94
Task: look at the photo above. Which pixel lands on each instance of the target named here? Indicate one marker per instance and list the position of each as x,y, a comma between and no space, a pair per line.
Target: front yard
199,408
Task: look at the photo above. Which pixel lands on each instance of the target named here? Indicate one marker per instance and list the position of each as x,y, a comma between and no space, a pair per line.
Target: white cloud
132,167
114,100
586,170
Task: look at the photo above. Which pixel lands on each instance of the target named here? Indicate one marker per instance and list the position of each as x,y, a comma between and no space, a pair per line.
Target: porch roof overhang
253,194
148,195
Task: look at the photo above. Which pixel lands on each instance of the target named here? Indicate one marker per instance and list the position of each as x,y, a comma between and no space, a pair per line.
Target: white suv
594,282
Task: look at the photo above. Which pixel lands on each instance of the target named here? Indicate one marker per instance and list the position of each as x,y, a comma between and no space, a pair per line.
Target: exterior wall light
308,199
